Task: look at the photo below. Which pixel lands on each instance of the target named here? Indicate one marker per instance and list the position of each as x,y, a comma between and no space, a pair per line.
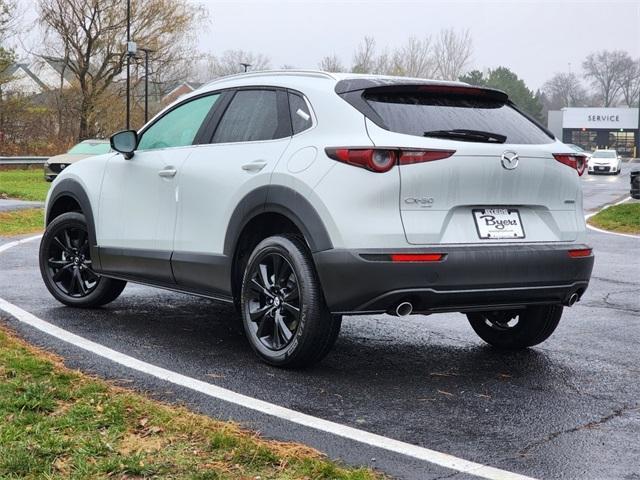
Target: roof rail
262,73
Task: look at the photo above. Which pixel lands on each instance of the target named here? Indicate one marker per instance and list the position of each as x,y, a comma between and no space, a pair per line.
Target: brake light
574,160
382,160
416,257
580,252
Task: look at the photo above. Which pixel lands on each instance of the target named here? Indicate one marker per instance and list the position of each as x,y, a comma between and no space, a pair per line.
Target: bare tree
452,53
629,81
364,58
231,61
565,90
604,69
7,27
415,59
331,63
94,31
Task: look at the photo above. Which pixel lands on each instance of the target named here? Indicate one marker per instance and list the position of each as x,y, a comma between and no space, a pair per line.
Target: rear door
248,139
500,183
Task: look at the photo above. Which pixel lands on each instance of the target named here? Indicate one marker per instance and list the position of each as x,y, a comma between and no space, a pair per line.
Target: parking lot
567,409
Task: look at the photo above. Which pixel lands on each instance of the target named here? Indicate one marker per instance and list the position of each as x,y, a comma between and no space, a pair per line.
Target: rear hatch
500,181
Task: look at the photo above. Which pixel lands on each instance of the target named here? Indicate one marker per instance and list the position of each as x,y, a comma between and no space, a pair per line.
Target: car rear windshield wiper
467,135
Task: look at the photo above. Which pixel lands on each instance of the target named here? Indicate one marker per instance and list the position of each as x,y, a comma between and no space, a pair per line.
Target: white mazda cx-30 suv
305,196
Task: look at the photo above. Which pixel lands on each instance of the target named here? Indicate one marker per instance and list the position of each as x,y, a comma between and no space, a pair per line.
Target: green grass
624,218
19,222
61,424
24,183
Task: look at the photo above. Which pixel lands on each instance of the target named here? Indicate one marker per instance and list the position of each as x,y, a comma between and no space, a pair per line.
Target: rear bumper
468,278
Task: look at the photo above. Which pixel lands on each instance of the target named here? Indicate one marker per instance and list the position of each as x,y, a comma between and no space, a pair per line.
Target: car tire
283,309
65,265
513,330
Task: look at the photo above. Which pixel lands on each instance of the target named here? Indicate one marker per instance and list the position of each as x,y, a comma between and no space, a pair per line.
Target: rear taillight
580,252
382,160
407,157
576,161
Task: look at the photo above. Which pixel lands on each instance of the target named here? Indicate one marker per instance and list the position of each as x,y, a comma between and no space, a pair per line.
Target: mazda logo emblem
509,160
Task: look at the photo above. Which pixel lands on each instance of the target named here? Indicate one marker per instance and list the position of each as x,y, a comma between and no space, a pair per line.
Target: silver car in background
84,149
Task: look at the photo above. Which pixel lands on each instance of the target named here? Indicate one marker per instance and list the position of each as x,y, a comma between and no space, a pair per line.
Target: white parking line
361,436
591,227
9,245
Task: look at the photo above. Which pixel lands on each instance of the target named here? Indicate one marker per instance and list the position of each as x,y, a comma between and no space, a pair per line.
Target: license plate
498,223
602,169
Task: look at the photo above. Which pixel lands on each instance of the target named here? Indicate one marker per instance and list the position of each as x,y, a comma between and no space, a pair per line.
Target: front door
138,202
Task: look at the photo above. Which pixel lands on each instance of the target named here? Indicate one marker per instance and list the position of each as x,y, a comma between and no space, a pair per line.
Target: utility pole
246,66
146,51
128,59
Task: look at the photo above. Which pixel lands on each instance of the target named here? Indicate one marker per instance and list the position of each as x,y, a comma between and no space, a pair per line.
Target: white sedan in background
605,161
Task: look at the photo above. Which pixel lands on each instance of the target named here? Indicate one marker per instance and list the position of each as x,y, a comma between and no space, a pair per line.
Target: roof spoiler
395,85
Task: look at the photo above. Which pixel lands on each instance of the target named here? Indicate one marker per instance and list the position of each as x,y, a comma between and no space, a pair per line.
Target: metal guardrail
23,160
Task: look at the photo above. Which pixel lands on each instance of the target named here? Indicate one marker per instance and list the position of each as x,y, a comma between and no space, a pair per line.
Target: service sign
607,118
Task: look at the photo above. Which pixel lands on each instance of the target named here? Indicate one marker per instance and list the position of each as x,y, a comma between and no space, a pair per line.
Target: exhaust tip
573,299
403,309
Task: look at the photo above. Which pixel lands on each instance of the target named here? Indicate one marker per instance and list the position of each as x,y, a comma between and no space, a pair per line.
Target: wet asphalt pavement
569,408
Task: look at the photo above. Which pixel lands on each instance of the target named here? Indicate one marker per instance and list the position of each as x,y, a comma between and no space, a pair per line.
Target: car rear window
418,113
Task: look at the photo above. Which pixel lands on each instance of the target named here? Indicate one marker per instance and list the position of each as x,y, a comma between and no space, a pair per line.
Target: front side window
300,114
252,115
179,127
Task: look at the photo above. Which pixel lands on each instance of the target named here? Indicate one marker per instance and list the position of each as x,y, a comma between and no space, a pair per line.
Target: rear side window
430,114
300,114
252,115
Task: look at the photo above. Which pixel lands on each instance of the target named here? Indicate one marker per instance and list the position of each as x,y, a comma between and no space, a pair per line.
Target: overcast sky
533,38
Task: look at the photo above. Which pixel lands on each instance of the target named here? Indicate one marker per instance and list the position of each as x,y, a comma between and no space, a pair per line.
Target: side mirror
125,142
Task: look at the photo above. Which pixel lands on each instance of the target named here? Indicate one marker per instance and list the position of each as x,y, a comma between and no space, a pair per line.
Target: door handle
168,172
254,166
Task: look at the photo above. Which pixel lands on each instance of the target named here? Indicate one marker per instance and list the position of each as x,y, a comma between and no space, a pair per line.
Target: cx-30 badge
422,201
509,160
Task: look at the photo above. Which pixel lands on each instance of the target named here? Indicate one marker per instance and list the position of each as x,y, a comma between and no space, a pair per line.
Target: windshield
418,113
90,148
609,154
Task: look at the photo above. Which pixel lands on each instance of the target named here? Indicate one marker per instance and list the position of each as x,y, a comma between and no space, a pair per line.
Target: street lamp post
246,66
146,51
131,52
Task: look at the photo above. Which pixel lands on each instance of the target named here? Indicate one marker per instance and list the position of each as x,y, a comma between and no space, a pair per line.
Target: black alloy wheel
66,266
516,329
284,313
69,262
273,301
